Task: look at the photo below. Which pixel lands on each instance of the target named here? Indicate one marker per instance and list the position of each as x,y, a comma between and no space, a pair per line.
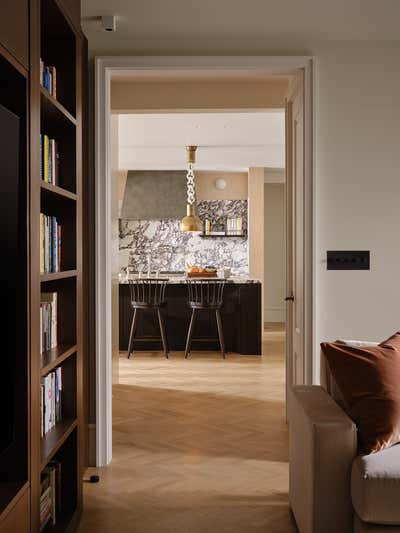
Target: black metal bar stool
148,294
205,295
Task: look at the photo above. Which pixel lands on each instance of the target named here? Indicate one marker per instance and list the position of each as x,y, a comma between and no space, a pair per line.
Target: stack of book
234,226
48,78
49,160
48,321
51,390
50,244
50,494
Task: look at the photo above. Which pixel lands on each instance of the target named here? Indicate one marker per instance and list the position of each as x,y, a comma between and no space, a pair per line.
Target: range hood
154,195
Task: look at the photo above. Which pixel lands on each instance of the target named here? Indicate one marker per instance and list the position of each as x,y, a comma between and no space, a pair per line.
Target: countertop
177,279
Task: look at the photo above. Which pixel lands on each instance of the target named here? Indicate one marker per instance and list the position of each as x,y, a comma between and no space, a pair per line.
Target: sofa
333,489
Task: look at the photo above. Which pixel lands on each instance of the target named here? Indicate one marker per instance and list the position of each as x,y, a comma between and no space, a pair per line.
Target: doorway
160,67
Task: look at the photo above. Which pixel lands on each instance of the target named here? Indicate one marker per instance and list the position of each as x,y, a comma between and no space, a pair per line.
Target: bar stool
205,295
148,294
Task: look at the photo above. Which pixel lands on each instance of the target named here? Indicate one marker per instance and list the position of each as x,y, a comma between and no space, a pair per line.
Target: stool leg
162,330
220,332
132,333
190,334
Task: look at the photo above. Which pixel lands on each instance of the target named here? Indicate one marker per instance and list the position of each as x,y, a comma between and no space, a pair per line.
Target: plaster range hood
154,195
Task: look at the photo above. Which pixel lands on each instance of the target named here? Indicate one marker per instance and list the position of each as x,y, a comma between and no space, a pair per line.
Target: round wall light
220,184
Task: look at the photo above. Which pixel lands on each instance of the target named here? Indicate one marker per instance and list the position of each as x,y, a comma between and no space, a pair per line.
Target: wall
274,252
147,96
357,188
236,186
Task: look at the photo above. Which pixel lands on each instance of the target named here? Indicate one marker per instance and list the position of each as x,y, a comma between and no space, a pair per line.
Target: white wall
274,252
357,188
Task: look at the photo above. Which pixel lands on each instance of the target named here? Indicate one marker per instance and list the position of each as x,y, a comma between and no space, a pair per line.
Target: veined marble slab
171,248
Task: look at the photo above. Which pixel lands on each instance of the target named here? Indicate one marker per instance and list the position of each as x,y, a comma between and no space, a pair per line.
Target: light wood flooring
200,446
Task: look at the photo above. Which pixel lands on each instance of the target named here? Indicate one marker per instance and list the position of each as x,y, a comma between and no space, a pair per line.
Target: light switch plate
348,260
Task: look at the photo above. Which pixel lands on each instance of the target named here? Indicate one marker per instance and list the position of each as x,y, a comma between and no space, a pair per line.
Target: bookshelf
31,458
60,445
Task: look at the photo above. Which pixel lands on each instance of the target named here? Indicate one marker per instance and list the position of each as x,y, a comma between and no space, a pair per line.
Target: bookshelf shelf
53,108
53,276
55,438
54,357
49,188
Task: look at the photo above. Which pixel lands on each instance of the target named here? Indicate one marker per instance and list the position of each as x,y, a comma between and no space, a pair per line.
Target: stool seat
205,295
148,294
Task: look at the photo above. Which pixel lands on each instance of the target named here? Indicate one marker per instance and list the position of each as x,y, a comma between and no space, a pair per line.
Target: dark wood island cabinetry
241,319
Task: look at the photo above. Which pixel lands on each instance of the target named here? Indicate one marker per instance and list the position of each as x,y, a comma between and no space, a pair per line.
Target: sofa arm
323,444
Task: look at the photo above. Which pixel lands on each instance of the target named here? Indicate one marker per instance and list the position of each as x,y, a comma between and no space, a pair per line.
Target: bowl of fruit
193,271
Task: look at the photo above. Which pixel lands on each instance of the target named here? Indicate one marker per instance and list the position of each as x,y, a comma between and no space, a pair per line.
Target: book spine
57,163
50,163
55,320
46,158
59,248
41,237
54,247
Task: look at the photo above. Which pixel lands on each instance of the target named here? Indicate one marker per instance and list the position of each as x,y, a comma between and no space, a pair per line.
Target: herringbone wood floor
200,446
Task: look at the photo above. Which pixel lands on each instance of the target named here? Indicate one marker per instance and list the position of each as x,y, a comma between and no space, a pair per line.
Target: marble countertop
177,279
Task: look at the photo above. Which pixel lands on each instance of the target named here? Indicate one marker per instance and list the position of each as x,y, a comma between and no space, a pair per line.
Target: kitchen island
241,318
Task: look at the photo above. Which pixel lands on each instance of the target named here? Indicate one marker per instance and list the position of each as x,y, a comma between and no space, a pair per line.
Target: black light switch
346,260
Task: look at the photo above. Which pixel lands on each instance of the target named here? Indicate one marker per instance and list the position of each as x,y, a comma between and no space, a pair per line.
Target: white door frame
105,68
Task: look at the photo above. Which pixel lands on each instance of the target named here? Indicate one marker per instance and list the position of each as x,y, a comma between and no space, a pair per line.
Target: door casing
105,68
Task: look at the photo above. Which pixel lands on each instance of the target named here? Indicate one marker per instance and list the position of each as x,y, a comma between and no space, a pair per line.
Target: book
48,320
49,159
50,244
51,406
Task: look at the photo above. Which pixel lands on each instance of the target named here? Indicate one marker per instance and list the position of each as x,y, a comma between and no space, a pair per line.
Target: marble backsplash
171,249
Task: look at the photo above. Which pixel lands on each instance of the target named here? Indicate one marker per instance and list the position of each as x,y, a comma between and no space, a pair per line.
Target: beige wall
146,96
236,186
274,252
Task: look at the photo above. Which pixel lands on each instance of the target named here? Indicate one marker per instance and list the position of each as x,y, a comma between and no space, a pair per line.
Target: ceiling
235,26
226,141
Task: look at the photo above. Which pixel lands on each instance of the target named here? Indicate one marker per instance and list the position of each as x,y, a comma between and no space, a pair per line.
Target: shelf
59,191
54,357
226,235
55,438
53,106
53,276
10,492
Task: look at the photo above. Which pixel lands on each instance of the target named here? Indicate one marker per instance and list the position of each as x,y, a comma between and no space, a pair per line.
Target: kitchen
212,243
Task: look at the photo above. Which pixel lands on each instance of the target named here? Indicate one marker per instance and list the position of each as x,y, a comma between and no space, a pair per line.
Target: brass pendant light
191,221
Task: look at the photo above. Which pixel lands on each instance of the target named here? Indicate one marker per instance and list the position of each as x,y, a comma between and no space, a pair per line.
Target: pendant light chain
191,196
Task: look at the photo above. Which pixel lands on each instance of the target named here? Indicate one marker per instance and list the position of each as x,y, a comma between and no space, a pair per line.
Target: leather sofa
333,489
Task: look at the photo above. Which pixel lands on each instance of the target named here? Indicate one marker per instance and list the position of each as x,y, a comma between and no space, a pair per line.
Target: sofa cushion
369,378
375,486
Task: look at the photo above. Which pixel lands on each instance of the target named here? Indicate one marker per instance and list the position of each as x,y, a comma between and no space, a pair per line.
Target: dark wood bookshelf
52,276
54,110
58,191
55,438
53,358
49,30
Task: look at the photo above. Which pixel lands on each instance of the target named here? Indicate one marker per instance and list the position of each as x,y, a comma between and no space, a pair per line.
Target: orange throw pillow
369,379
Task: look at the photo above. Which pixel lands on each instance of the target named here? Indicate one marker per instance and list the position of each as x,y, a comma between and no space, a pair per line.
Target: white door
295,233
